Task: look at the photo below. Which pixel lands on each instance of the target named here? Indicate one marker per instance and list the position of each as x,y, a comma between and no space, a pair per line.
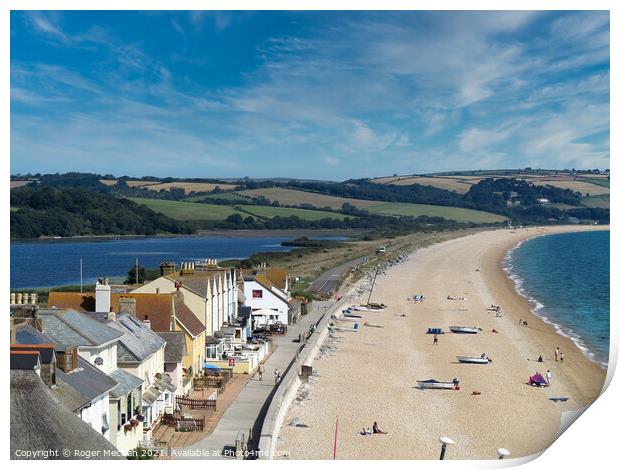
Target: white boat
363,308
464,329
435,384
347,319
473,360
353,315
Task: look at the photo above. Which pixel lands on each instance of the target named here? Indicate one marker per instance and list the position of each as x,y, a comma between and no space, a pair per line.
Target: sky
325,95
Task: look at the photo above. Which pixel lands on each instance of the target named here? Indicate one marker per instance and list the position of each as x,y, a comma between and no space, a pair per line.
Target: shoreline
536,305
524,420
199,234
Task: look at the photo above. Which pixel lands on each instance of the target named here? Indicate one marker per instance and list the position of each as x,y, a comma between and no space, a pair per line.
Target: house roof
157,308
46,351
211,340
187,318
137,341
76,388
39,421
125,383
27,334
277,276
71,328
175,346
201,284
25,360
82,385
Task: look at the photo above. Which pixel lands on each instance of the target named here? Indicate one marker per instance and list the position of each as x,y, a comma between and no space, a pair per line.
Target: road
329,280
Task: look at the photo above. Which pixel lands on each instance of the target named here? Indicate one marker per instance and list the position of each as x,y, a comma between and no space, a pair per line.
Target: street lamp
445,442
501,453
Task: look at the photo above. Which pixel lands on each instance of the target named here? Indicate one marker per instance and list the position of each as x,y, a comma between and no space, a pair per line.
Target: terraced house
79,336
162,312
209,292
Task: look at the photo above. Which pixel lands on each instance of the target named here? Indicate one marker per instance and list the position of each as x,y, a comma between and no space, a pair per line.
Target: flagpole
81,282
335,438
137,282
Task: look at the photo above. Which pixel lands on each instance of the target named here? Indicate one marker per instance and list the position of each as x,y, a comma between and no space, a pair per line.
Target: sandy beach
372,375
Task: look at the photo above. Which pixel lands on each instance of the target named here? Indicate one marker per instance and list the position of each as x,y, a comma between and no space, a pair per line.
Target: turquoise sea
566,278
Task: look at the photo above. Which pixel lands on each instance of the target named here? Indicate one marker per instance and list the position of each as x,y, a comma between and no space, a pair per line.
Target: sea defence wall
287,390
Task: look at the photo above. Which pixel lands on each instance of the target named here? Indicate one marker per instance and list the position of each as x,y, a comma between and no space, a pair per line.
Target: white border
591,441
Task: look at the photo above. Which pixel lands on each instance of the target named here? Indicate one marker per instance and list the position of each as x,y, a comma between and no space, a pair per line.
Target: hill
294,197
183,210
47,211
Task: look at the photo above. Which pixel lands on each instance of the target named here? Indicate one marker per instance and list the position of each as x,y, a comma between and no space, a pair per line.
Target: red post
335,438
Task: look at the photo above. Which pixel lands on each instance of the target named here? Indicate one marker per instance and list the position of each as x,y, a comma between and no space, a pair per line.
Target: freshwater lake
57,262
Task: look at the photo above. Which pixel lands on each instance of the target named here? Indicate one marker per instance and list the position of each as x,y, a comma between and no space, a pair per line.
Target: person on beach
435,340
548,376
261,370
376,430
540,359
557,353
562,358
276,373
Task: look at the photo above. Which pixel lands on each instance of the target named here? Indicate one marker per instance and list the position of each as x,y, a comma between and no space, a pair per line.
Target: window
257,293
211,352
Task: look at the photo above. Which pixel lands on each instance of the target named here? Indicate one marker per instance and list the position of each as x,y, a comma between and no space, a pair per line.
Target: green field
306,214
415,210
234,197
295,197
601,201
182,210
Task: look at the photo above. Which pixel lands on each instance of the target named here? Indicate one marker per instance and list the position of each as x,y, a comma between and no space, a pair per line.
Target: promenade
245,413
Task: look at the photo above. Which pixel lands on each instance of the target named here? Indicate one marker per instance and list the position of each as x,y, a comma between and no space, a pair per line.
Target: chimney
33,298
13,331
147,322
26,298
102,296
127,305
167,267
12,298
157,290
19,298
111,316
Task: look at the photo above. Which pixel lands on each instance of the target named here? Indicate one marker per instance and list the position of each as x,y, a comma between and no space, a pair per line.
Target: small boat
435,384
346,319
473,360
364,308
557,399
353,315
464,329
355,328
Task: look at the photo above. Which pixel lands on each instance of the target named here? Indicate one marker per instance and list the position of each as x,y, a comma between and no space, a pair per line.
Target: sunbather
376,430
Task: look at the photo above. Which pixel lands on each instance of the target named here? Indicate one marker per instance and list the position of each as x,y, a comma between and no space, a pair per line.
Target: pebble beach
371,375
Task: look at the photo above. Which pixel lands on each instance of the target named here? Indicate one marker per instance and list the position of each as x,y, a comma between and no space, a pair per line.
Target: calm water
55,262
566,277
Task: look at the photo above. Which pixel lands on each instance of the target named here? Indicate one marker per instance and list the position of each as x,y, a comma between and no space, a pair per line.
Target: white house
269,304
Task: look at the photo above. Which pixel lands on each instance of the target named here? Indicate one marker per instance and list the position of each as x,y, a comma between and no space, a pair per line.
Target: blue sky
329,95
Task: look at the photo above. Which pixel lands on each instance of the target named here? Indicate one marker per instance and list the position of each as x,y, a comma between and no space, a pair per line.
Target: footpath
242,421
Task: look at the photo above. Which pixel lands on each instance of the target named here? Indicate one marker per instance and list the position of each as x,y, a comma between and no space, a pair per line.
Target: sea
566,278
49,263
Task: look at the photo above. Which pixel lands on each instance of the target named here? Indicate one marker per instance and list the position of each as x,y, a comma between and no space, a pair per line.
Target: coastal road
329,280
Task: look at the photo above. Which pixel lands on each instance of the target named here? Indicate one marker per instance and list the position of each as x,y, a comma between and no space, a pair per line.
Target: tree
131,275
